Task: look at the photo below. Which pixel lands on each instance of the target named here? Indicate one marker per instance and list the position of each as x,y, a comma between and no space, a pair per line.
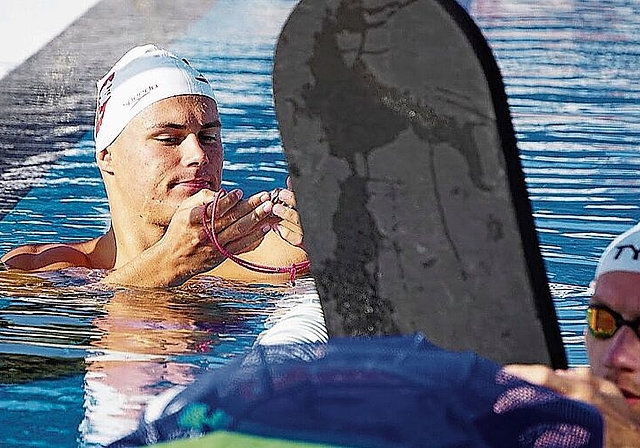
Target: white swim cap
623,254
143,76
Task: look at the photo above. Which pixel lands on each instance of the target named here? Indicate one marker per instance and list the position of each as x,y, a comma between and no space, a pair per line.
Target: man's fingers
287,214
291,227
293,236
577,383
224,218
535,374
247,223
287,197
544,376
246,243
203,198
225,203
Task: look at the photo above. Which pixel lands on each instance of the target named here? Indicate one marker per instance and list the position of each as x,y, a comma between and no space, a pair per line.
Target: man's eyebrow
171,125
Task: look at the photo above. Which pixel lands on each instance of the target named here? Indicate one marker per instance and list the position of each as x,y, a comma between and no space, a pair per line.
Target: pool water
570,69
78,363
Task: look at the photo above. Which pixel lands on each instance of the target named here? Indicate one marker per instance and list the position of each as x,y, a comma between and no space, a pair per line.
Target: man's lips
631,397
629,391
193,184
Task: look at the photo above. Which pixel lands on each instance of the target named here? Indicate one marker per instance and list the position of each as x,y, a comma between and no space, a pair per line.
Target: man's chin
162,215
634,404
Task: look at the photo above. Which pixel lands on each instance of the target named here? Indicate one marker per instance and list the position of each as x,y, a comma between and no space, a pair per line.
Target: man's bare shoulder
51,256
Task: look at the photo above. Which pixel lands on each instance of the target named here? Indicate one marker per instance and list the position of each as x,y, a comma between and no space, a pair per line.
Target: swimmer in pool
612,383
158,149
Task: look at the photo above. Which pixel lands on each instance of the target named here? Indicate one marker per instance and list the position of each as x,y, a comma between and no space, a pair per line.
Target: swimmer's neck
130,239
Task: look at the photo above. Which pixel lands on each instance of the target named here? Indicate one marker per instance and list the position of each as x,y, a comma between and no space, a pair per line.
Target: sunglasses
603,322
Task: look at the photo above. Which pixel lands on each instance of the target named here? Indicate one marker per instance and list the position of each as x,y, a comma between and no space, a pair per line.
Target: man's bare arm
47,257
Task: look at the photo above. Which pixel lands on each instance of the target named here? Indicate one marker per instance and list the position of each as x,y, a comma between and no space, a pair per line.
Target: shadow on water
15,369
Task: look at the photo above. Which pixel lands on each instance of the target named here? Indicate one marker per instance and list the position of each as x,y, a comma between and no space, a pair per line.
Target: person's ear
104,161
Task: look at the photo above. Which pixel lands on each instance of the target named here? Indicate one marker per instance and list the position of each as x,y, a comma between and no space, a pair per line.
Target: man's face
168,152
618,358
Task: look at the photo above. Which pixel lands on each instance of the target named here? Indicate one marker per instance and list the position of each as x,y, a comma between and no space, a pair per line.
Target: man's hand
239,226
287,224
185,250
621,429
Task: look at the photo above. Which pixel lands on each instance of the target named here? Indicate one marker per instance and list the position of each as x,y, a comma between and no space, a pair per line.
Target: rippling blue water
570,72
570,69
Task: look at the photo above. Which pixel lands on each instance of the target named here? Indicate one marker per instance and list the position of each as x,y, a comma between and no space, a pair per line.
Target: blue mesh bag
399,391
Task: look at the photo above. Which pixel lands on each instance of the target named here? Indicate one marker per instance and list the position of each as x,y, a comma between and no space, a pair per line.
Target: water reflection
128,364
129,344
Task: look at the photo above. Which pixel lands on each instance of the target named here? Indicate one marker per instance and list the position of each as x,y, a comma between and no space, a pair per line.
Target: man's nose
624,351
193,152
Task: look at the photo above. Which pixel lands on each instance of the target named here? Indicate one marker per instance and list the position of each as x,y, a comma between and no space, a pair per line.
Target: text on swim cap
621,249
131,102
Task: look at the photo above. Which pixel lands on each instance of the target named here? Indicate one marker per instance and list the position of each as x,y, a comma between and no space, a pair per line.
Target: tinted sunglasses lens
601,323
